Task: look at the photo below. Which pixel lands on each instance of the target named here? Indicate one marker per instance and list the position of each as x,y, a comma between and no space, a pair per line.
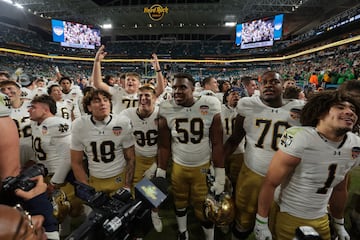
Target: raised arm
96,73
159,76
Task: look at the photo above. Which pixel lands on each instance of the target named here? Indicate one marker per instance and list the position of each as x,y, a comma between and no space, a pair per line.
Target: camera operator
13,226
36,204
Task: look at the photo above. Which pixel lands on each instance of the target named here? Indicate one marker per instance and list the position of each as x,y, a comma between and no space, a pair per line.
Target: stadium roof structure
131,17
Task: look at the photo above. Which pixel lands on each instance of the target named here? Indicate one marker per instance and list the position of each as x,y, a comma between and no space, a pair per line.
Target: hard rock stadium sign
156,12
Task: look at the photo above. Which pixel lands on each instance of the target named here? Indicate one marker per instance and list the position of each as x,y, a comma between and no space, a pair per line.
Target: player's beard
342,131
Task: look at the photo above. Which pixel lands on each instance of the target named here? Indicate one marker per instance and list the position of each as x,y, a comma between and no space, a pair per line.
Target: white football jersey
103,143
264,127
145,132
74,94
64,109
51,142
228,116
38,92
189,128
21,117
323,165
122,100
4,105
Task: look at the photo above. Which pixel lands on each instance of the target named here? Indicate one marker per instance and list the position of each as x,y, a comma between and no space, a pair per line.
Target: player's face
146,101
100,107
250,88
233,99
56,93
271,87
12,92
132,84
37,111
40,84
183,92
341,117
226,86
65,85
289,83
214,85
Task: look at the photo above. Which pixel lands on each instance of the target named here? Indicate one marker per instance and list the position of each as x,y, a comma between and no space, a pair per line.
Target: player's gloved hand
160,173
150,173
340,229
219,183
261,228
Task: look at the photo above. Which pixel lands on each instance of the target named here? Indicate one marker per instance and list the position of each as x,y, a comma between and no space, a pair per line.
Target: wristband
339,221
158,70
262,220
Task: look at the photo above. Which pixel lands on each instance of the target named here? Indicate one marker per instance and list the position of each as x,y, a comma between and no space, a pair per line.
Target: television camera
119,216
23,181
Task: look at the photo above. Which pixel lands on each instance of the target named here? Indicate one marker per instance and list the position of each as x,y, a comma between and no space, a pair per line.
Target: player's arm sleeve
76,110
129,139
293,141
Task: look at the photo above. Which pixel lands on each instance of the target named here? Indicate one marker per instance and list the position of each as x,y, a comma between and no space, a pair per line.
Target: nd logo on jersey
286,140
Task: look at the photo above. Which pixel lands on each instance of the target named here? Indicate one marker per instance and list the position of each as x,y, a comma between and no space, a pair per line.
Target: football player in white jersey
125,97
70,91
311,169
108,142
262,119
228,115
144,120
65,108
190,133
51,137
20,115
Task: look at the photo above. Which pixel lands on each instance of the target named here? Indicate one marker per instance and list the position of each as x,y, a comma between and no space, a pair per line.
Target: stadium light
230,24
8,1
18,5
107,26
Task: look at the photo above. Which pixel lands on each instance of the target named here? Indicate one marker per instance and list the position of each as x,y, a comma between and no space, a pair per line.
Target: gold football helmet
222,211
60,204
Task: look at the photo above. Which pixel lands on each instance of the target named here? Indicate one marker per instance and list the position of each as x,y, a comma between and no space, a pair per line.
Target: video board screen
76,35
259,33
